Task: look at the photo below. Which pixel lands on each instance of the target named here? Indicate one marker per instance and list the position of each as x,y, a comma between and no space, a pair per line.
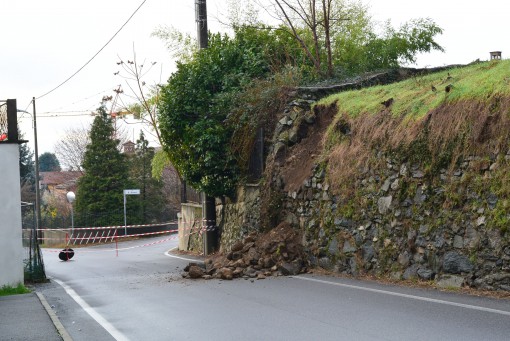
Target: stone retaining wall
403,221
401,226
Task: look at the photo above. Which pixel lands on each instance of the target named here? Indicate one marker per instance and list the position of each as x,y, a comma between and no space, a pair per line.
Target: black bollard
66,254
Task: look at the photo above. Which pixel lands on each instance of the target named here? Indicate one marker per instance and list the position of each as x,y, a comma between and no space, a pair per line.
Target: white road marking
94,314
426,299
183,258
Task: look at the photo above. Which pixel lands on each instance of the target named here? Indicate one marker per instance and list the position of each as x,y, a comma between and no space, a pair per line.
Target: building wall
11,249
190,227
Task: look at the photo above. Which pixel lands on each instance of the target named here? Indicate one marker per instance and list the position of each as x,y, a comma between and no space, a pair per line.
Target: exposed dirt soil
302,156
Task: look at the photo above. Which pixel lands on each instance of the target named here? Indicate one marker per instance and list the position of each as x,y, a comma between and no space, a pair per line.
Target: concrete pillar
11,247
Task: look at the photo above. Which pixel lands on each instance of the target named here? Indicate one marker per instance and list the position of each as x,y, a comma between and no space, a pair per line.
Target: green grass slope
417,96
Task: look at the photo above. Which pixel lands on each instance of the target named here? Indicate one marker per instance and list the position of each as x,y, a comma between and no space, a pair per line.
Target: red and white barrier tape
193,222
136,246
111,227
114,236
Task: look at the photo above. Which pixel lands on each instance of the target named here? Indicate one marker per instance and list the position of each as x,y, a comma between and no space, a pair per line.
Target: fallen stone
195,272
238,246
226,273
289,269
187,267
261,276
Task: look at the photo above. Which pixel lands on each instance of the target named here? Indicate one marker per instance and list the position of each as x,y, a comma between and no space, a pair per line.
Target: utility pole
37,189
201,19
209,204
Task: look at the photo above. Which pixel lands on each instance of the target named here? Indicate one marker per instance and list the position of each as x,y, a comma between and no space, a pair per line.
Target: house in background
59,182
54,188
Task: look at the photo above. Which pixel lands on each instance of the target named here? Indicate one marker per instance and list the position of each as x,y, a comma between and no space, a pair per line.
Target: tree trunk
326,7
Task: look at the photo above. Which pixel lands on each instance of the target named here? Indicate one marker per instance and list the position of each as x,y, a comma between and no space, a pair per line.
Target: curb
56,322
170,252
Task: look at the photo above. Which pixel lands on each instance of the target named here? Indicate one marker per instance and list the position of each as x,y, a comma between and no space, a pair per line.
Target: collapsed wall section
415,200
430,208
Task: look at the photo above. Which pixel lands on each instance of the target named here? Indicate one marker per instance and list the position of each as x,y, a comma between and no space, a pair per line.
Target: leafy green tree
203,113
151,200
200,95
48,162
366,51
99,198
340,35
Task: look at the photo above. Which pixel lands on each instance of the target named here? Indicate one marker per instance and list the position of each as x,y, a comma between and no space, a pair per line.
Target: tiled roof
60,178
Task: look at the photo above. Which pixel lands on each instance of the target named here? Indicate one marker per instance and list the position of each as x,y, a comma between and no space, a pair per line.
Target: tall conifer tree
99,199
48,162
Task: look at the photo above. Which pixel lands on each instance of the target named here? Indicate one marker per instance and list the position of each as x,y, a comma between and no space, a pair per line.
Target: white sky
43,42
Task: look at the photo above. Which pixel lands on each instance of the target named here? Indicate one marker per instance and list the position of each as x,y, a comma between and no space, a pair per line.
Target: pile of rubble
275,253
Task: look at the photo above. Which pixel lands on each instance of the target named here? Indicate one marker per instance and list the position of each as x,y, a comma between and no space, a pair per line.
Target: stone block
456,263
450,281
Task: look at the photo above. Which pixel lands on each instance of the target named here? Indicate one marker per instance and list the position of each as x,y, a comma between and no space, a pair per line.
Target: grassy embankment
435,122
415,97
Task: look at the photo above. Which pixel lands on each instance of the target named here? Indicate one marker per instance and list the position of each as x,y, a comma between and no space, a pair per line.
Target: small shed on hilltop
128,148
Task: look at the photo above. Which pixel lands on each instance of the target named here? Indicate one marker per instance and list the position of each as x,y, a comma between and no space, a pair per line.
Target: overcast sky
45,42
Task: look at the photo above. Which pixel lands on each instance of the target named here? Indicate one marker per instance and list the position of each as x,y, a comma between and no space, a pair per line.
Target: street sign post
128,192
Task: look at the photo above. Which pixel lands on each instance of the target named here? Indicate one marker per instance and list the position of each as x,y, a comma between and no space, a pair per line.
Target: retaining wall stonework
402,221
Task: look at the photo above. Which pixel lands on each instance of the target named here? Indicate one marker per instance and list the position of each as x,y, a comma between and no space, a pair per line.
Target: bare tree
296,12
326,14
316,18
145,96
71,148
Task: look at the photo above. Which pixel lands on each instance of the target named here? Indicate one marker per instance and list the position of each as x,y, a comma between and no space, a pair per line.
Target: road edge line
414,297
114,332
167,253
54,318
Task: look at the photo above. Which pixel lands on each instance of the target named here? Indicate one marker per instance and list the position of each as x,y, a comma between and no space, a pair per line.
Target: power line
62,115
78,101
94,56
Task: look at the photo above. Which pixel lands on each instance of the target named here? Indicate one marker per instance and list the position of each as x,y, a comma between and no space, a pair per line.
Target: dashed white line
420,298
94,314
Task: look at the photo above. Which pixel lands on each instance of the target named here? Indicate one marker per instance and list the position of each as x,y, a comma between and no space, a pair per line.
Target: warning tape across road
111,227
175,222
116,249
115,239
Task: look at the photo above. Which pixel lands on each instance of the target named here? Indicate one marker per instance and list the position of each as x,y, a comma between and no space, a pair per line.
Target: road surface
140,295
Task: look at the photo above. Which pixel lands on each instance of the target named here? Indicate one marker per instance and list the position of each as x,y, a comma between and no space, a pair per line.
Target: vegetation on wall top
435,121
419,95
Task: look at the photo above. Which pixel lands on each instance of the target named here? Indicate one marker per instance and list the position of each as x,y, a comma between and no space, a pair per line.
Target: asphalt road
140,295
